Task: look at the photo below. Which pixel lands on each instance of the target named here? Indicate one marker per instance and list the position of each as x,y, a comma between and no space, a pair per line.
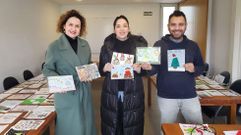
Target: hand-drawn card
229,93
176,60
122,59
4,95
24,125
9,104
214,93
219,78
4,109
35,86
194,129
122,66
48,101
122,72
217,87
40,112
202,87
36,114
33,101
38,96
42,91
24,108
148,55
23,91
19,96
8,118
13,90
3,127
202,93
61,83
15,132
91,70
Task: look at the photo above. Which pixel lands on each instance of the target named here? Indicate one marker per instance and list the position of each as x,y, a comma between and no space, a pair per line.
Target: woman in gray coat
74,108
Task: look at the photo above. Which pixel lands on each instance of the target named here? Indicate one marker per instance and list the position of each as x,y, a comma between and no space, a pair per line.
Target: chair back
223,78
205,69
226,75
9,82
236,86
27,75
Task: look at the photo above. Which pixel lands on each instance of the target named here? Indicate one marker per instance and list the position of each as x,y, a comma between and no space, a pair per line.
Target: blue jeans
190,109
120,129
121,95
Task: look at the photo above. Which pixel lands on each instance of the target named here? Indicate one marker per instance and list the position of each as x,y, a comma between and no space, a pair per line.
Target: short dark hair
120,17
177,13
64,18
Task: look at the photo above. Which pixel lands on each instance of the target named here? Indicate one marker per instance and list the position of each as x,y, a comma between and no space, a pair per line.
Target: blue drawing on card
176,60
122,72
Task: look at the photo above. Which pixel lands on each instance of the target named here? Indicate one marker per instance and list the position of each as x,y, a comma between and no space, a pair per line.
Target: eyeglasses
203,130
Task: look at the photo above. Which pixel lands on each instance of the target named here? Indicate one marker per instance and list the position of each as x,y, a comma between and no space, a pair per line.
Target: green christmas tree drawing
175,62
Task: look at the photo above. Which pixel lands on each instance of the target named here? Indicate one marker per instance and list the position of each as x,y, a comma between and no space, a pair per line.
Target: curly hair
64,18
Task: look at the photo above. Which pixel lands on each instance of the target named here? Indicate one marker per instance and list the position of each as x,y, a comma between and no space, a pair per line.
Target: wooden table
174,129
48,123
207,101
225,101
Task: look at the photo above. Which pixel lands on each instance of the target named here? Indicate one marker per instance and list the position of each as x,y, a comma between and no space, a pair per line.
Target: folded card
61,83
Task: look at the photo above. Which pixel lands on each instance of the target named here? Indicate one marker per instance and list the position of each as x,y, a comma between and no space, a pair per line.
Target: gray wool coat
74,108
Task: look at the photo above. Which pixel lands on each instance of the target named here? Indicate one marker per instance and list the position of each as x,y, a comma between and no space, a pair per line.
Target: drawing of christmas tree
175,62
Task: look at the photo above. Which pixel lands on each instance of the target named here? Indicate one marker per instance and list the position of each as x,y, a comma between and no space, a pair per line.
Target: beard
177,37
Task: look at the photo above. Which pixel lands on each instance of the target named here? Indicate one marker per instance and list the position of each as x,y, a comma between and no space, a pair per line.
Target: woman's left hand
137,67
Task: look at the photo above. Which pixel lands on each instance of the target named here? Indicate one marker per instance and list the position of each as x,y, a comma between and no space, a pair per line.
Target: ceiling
114,1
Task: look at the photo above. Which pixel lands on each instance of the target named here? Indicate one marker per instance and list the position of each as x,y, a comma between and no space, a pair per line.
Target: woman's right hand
107,67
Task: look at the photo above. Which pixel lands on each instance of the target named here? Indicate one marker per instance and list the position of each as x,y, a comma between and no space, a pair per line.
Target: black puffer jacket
133,105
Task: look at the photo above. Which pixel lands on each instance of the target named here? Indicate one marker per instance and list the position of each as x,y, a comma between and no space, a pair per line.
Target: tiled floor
152,126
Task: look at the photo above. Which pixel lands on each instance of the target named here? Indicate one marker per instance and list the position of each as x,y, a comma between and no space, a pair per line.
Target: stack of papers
233,132
193,129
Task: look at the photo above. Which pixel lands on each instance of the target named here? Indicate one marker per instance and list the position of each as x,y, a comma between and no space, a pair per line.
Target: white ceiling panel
114,1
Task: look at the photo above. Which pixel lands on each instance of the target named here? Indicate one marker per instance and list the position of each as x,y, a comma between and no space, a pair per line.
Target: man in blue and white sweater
176,89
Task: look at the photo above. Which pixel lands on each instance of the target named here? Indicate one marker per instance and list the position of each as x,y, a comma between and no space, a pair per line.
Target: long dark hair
120,17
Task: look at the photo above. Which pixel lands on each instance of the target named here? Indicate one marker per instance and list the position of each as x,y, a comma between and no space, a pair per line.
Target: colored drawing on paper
176,60
148,55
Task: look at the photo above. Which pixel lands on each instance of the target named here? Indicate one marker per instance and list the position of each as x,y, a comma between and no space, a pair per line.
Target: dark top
122,47
73,43
177,85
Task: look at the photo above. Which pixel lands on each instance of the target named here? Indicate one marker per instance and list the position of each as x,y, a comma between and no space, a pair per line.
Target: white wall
236,38
26,29
220,40
100,21
224,41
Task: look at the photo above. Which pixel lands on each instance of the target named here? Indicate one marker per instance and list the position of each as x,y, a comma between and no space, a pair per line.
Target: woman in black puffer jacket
121,116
